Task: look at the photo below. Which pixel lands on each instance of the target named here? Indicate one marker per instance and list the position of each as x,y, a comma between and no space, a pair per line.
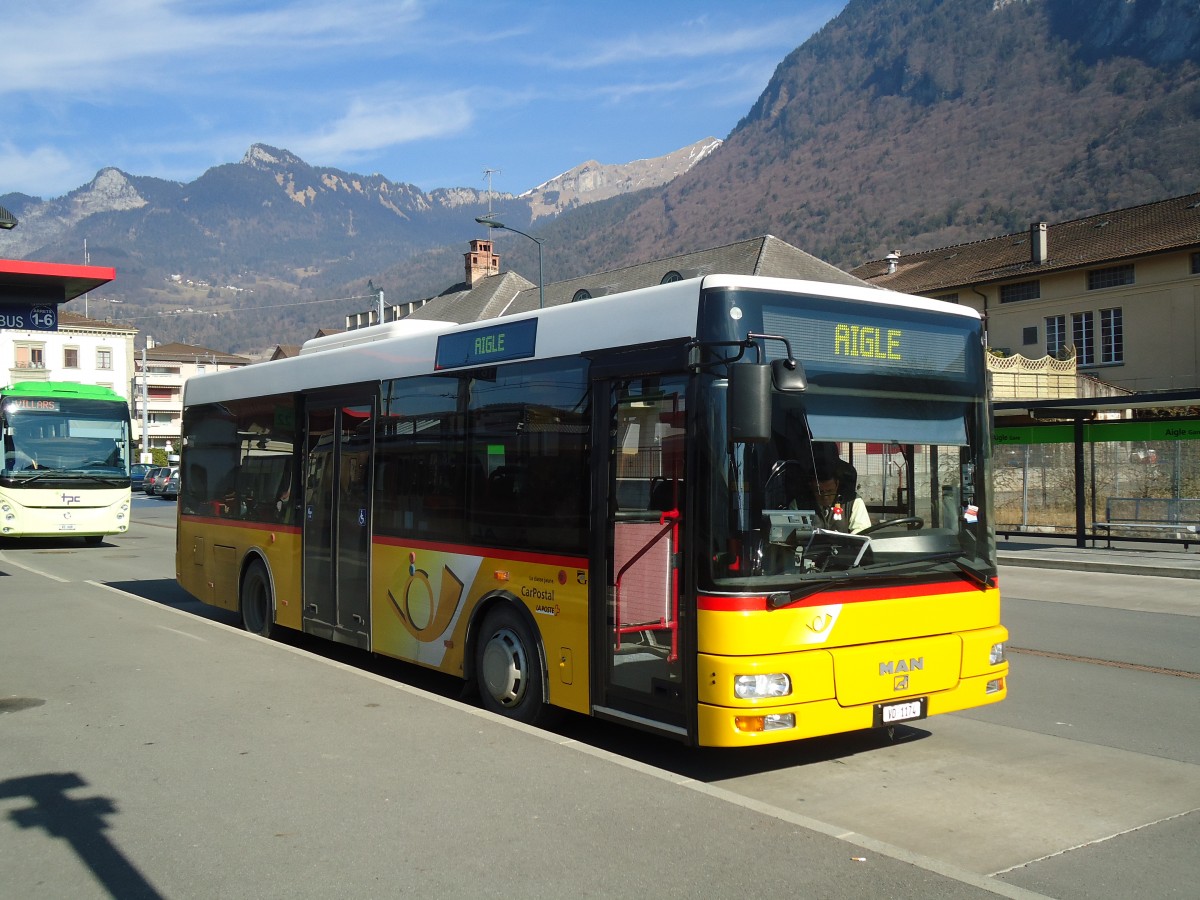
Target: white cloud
92,45
701,38
392,118
39,170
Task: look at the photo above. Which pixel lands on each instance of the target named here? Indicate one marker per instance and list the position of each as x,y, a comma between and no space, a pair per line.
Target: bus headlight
753,687
997,655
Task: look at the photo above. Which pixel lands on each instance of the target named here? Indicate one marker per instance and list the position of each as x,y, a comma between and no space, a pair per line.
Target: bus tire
508,667
255,602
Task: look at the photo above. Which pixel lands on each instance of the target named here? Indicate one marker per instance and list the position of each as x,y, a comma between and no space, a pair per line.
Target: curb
1092,565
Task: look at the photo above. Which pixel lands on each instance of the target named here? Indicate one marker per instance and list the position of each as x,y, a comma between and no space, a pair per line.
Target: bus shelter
31,292
1126,468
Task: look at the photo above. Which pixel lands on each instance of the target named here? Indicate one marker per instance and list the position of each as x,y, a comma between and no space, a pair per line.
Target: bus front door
337,520
636,580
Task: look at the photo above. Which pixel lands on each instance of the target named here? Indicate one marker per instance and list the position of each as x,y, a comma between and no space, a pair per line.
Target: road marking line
12,562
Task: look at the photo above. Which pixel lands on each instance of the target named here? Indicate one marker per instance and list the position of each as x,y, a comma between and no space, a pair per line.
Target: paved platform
146,752
1123,558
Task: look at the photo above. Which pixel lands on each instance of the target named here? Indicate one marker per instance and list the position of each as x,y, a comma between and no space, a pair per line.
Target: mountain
915,124
274,228
594,181
901,124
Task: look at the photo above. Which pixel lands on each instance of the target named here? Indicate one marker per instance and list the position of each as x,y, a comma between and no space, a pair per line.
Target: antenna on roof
488,173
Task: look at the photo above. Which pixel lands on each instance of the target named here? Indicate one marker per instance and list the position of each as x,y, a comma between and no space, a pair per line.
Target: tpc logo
68,499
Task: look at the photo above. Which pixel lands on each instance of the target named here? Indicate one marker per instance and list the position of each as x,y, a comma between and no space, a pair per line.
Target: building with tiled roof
83,350
486,292
1120,289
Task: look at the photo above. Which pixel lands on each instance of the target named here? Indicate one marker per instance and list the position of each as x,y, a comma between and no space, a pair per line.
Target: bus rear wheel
508,667
255,602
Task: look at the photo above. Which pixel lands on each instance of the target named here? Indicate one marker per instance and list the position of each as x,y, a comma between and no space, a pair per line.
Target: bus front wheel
255,602
507,667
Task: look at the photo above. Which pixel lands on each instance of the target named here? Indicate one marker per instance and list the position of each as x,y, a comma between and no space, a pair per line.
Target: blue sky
421,91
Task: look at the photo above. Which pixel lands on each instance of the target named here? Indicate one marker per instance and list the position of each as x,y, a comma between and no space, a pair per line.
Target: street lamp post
492,223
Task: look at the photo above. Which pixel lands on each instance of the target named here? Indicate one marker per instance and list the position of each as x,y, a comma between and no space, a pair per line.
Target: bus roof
647,315
61,389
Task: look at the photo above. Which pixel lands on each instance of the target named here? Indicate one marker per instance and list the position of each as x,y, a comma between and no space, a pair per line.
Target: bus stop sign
29,316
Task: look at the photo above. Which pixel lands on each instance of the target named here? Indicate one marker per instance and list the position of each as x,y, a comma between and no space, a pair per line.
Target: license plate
66,527
907,711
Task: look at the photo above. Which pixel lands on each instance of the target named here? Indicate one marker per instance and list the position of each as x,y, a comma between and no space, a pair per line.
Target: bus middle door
337,519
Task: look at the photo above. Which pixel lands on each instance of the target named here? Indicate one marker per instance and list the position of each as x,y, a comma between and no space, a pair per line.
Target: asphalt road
1084,783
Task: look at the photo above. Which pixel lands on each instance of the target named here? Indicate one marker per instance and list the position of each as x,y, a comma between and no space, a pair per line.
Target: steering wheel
913,522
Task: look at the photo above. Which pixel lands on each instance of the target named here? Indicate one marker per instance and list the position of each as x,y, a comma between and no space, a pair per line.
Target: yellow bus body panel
212,554
844,659
424,600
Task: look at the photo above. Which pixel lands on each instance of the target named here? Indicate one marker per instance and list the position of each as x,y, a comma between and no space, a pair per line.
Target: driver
838,503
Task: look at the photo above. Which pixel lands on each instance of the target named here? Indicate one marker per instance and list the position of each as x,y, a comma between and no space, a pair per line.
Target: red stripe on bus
832,596
544,559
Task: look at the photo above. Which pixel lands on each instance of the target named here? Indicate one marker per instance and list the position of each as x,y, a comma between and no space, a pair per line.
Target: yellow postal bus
734,510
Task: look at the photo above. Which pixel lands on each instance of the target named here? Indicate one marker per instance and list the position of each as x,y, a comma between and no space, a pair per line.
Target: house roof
67,319
1101,239
176,352
285,351
498,295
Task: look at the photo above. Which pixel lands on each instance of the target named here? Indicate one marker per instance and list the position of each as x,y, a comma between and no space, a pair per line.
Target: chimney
893,261
480,262
1039,252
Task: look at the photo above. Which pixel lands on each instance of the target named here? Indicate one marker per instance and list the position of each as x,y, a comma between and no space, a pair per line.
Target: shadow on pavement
701,764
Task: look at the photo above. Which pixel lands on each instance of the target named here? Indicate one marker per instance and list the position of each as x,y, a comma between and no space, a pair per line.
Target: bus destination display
483,346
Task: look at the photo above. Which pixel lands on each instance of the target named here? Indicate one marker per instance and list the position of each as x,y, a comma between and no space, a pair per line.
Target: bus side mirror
788,375
749,403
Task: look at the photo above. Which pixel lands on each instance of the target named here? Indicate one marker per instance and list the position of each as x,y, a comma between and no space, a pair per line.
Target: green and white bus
66,461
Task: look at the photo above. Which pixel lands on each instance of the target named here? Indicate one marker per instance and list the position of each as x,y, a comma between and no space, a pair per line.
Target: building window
1113,276
1196,263
201,368
1029,335
103,358
30,356
947,298
581,294
1022,290
1112,336
1056,334
1081,333
671,277
70,357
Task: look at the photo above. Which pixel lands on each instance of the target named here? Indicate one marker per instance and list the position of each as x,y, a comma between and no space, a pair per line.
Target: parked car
137,475
164,476
151,478
170,490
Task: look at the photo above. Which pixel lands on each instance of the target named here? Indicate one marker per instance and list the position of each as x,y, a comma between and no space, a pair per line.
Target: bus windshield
64,437
875,471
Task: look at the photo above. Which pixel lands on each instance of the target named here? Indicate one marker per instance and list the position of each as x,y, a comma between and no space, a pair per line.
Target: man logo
895,667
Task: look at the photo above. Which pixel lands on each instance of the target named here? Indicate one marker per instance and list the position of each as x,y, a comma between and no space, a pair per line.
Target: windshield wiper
954,556
815,584
26,477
